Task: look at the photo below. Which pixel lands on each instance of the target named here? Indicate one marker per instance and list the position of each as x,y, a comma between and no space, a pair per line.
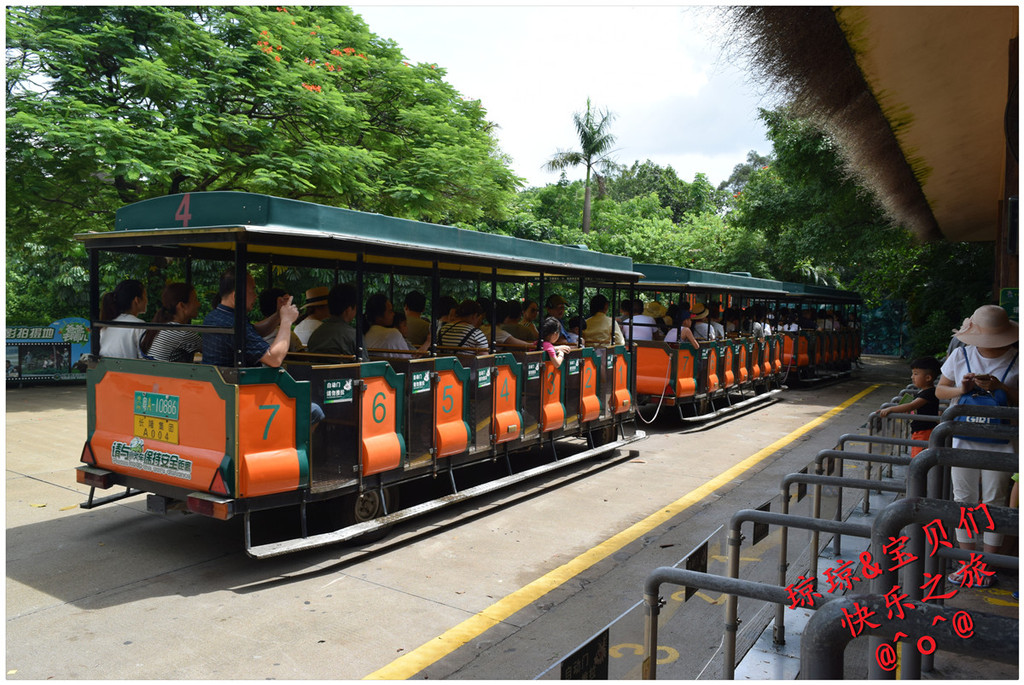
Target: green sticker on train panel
156,405
483,377
533,371
610,361
338,390
420,382
574,367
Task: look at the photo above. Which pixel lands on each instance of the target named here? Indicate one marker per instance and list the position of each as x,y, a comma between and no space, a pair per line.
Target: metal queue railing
926,483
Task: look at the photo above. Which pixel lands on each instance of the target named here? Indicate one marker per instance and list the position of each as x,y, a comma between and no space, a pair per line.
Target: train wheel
604,435
366,506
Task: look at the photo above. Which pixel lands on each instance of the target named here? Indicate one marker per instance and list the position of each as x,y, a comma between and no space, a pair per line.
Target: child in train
550,332
577,325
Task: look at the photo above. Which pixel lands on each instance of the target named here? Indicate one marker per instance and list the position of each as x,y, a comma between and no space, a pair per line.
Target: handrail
696,579
734,540
390,351
843,456
308,356
779,632
887,526
955,410
825,637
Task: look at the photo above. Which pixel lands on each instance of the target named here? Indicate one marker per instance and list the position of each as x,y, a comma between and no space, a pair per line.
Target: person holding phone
988,361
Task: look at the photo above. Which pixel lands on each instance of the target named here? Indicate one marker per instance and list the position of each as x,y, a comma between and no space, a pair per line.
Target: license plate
153,428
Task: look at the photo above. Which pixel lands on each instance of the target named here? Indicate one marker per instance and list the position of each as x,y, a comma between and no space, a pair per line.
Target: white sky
654,67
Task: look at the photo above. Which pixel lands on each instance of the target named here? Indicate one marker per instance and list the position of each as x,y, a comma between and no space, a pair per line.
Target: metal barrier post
779,632
887,526
702,581
652,607
825,637
731,609
819,470
870,441
759,516
924,479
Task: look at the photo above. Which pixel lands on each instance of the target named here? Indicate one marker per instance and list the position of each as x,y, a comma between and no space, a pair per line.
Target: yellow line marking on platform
724,559
413,662
1002,602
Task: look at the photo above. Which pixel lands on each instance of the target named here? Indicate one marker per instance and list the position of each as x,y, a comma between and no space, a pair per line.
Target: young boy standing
923,374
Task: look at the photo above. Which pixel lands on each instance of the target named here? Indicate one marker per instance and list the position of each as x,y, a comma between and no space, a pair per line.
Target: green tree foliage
741,173
680,197
950,281
523,220
560,204
107,105
595,147
822,225
712,243
824,228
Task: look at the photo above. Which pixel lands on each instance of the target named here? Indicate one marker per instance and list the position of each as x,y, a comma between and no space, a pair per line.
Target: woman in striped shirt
178,305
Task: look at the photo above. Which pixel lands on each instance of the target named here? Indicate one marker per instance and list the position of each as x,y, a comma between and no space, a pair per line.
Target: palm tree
595,148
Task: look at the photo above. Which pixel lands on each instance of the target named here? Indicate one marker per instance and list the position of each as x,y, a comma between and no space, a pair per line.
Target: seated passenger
574,336
402,324
531,309
315,312
702,330
756,315
502,337
218,348
657,311
510,323
602,330
789,321
129,300
555,307
445,313
336,334
715,320
681,329
464,332
178,305
732,322
550,331
638,326
625,311
762,317
805,320
270,301
379,334
419,327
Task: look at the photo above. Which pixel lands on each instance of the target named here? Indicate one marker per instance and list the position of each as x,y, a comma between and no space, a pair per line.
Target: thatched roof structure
914,96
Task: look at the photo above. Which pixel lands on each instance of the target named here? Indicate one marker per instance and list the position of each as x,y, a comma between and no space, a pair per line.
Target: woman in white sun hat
988,362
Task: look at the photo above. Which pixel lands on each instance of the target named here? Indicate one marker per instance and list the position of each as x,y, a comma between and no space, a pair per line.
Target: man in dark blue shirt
218,348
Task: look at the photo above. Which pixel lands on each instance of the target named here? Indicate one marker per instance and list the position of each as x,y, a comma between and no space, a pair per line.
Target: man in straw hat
702,329
316,310
987,362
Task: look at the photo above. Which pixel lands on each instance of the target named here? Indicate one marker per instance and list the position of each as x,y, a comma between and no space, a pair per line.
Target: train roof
664,276
696,280
284,231
822,294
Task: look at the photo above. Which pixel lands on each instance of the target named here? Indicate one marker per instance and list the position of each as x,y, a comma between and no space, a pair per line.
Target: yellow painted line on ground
415,661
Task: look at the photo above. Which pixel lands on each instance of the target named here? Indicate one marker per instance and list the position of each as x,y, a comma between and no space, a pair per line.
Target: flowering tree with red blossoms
108,105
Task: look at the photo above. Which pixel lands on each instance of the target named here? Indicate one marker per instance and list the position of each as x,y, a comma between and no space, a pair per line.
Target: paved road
117,592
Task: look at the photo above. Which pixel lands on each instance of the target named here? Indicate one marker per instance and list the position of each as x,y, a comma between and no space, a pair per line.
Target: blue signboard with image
48,353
